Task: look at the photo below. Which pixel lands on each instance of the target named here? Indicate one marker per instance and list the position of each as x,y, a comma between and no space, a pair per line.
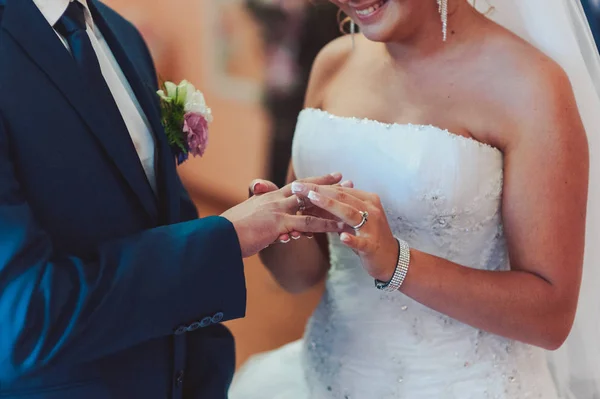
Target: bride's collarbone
457,104
454,111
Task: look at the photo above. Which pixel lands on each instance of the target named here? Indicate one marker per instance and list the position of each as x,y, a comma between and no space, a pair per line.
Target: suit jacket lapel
23,21
146,95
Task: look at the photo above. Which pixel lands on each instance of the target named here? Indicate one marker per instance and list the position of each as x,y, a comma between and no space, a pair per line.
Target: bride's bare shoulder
524,80
523,64
327,64
517,51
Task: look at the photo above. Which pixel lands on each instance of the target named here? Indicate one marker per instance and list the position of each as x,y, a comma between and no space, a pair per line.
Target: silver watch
400,272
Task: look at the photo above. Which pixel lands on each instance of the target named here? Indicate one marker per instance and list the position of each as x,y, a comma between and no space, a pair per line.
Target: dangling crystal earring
443,9
352,31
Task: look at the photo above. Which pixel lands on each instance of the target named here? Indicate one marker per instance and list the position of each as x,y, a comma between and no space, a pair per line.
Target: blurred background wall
185,40
251,58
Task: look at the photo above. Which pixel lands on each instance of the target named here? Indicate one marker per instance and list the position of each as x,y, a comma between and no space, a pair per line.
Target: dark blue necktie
73,28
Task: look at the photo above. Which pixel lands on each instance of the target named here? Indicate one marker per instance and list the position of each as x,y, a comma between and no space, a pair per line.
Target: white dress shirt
130,109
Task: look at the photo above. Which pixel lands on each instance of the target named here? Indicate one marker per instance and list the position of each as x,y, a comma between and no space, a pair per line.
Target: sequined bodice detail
442,194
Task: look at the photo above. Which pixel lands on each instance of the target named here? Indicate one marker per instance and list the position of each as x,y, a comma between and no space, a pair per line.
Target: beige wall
180,41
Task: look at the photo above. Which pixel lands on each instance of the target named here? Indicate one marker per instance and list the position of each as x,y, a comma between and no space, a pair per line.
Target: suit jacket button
217,318
181,330
194,326
207,321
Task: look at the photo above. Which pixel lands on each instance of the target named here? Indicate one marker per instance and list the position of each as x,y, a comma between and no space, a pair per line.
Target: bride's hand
374,242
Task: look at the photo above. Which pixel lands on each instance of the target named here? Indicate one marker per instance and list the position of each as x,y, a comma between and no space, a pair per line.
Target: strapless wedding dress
442,194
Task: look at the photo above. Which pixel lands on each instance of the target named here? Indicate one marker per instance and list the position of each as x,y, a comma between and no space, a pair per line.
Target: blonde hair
343,21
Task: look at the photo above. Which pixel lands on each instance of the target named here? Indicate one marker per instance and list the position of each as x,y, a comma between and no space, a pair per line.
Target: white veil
560,29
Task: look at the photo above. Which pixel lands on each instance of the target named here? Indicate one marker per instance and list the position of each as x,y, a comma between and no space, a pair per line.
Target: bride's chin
377,35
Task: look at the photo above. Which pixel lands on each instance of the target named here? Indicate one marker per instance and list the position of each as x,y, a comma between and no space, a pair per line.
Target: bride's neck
426,39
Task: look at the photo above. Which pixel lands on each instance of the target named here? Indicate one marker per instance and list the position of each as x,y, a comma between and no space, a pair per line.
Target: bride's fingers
341,193
346,212
358,244
295,203
327,180
284,239
291,206
331,199
320,213
294,235
311,224
310,209
348,190
360,194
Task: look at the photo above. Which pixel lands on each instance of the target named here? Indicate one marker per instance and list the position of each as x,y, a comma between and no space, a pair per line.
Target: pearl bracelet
400,272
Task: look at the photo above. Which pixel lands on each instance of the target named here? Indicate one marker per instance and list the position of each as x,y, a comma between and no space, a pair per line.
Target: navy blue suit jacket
106,289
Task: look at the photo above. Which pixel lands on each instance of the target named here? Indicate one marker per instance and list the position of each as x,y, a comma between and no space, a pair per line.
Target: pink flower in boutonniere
185,117
196,127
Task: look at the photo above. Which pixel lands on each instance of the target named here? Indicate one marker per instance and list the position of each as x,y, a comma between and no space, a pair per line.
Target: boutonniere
185,118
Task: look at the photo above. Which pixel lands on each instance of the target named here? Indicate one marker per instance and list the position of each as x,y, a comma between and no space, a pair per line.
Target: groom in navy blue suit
110,286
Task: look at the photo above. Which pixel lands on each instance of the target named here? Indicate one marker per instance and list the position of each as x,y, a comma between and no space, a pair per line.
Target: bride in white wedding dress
476,151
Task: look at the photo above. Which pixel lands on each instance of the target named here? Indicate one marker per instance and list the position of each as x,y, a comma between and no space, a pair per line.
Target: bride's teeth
370,10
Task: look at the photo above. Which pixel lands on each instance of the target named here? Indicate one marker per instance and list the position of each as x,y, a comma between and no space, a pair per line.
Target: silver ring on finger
365,218
301,204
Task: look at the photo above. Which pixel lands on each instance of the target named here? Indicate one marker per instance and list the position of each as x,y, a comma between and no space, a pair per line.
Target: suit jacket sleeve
66,310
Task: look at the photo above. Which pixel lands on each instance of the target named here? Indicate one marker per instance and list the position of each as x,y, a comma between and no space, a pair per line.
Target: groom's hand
260,220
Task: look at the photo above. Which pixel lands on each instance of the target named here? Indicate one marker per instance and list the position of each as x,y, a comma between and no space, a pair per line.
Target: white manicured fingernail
345,237
336,175
313,196
341,225
285,241
347,184
296,237
297,187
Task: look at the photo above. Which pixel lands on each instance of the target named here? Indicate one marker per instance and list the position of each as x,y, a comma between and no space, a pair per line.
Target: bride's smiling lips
367,12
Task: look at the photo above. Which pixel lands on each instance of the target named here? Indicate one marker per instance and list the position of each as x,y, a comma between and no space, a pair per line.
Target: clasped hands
328,198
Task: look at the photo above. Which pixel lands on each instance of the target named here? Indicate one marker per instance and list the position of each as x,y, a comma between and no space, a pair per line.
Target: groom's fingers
291,204
260,186
311,224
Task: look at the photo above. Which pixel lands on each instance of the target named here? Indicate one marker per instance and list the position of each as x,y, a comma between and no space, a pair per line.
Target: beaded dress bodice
442,194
